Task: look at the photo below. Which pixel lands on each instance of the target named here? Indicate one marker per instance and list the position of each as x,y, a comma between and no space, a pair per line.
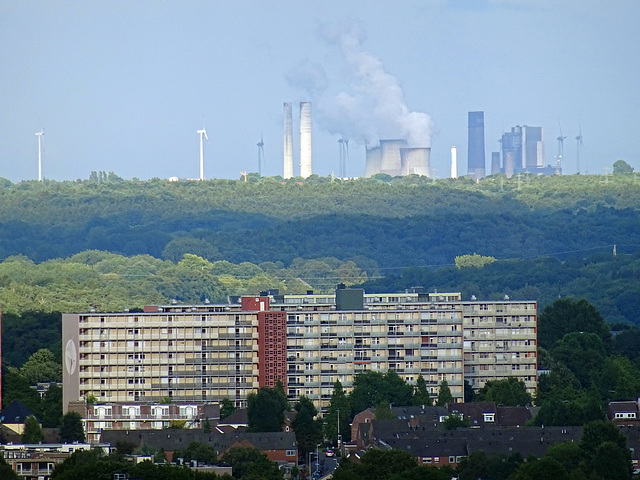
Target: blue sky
123,86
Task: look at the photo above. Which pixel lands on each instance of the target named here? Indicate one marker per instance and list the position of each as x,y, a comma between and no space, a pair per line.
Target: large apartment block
204,353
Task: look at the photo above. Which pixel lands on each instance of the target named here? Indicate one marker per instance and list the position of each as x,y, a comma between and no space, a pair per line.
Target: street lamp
318,457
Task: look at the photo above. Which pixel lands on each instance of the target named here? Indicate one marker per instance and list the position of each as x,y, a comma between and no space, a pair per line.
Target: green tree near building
32,431
226,408
509,391
72,429
421,395
249,463
336,420
265,409
444,394
307,427
6,472
567,315
198,451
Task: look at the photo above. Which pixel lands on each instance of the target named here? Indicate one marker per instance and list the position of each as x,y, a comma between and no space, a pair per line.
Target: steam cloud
374,108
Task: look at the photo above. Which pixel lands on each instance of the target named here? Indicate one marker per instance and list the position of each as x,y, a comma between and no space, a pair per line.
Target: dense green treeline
399,222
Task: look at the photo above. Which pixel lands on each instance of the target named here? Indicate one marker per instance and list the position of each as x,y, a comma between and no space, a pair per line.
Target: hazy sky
123,86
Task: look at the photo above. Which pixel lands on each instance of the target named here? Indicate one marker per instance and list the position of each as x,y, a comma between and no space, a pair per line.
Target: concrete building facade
204,353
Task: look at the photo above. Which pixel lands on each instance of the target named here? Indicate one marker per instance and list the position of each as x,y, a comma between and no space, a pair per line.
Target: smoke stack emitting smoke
374,108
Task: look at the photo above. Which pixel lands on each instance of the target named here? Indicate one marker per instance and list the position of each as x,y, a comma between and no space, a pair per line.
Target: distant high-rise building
495,163
305,139
288,141
476,157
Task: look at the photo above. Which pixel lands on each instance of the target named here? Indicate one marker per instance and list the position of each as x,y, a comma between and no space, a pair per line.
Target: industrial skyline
119,87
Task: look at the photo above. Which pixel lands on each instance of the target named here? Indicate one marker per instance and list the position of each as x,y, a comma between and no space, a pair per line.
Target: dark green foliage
510,391
95,465
25,334
455,421
307,427
198,451
6,472
480,465
265,409
376,465
582,353
51,407
565,316
72,429
32,431
338,411
544,469
444,394
398,221
251,464
605,450
226,408
370,388
421,395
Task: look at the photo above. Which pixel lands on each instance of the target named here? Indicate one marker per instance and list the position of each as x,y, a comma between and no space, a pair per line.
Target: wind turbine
560,149
203,133
260,145
341,158
40,134
346,155
579,147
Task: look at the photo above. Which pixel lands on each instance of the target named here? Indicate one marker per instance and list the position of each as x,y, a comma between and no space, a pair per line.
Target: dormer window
489,417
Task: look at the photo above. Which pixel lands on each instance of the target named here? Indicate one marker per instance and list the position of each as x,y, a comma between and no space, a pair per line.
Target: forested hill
113,244
394,222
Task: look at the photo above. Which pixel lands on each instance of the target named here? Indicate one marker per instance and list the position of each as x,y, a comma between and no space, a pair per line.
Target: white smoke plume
374,108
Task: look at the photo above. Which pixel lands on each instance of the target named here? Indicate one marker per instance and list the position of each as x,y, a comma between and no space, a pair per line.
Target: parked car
329,453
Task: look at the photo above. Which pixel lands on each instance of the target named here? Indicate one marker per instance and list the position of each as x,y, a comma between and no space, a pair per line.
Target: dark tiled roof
176,439
16,412
239,417
513,416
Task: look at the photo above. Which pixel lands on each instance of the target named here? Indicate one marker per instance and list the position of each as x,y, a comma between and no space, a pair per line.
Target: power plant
396,158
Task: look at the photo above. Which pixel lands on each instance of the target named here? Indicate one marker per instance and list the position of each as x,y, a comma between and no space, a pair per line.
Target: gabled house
623,413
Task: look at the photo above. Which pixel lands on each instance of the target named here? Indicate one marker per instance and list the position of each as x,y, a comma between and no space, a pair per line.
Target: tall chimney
288,142
454,162
305,139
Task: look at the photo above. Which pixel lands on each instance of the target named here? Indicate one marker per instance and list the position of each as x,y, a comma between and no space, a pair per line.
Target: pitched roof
16,412
177,439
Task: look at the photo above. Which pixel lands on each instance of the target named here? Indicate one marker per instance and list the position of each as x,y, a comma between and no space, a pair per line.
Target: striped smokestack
305,139
288,142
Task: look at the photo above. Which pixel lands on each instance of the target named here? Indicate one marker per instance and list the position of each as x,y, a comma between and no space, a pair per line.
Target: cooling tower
305,139
373,159
415,160
476,161
288,142
390,161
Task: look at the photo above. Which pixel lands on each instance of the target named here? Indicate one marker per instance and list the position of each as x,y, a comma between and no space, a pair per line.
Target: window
290,453
489,417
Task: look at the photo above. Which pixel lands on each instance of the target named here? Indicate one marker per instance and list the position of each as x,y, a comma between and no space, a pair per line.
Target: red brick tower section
272,341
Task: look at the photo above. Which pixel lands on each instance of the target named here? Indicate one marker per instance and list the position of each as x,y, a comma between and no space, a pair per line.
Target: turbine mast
39,135
203,133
